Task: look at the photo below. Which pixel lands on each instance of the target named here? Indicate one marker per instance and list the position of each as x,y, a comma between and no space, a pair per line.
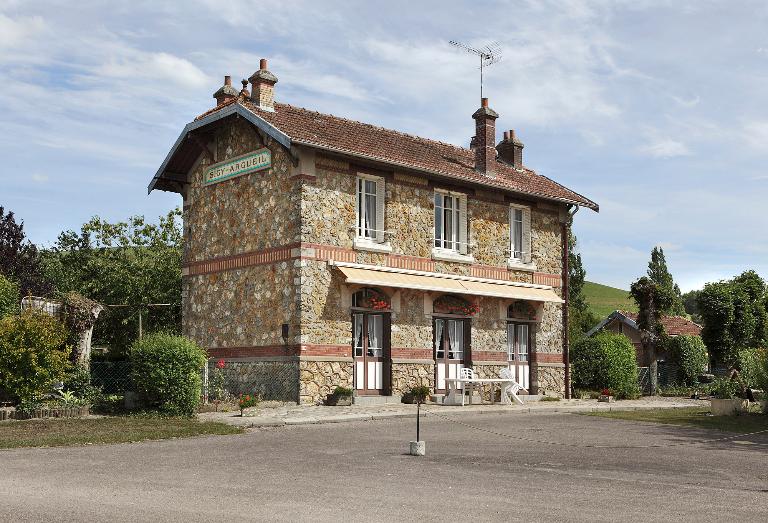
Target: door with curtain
370,351
518,353
452,349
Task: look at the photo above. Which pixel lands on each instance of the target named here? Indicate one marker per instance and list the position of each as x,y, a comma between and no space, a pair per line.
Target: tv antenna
489,55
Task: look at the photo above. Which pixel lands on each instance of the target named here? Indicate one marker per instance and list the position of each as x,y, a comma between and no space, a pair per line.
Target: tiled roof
411,152
673,325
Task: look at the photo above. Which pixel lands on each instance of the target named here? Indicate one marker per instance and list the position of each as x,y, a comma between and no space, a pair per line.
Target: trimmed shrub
9,297
606,360
166,373
33,355
753,368
690,355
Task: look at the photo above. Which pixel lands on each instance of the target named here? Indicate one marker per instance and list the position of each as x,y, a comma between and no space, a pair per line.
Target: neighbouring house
625,323
344,254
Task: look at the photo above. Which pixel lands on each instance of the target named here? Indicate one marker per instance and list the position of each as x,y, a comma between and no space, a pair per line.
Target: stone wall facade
258,285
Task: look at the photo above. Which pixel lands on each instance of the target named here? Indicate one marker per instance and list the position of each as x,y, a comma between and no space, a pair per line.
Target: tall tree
652,300
659,274
580,318
133,264
20,258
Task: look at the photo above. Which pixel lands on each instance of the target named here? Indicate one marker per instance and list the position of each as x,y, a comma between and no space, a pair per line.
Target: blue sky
656,110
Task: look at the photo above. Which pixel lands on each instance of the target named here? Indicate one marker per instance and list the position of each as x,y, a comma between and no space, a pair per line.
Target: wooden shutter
380,210
526,247
463,232
467,342
387,352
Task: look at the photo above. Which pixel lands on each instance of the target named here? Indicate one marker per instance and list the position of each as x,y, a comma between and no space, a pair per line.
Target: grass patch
117,429
603,299
692,417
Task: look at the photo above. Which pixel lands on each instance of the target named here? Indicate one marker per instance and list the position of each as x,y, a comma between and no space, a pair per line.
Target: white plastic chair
510,388
466,373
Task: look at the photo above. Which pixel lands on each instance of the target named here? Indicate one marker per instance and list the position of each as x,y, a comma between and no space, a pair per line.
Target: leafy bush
78,382
606,360
753,366
33,354
417,394
690,355
166,373
109,404
725,388
246,401
9,297
342,392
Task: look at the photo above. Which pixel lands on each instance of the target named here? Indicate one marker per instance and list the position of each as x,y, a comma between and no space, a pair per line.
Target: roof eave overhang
589,204
233,109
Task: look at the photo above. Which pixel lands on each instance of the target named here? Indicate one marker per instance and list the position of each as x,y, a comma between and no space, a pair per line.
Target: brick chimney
485,135
226,92
511,150
263,87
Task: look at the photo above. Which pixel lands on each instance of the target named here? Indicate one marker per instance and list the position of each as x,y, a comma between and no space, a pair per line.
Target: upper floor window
370,208
519,234
451,221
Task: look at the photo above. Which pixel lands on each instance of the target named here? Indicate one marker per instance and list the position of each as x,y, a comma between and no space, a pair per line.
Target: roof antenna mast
489,55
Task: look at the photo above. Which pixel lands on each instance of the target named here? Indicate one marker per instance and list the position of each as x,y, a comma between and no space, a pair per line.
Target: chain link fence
270,380
644,380
114,377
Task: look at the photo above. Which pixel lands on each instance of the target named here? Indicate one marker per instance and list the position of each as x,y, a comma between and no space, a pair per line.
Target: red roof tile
412,152
673,325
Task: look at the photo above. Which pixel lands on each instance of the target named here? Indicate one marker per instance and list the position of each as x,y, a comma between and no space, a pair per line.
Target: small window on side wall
451,222
370,208
520,234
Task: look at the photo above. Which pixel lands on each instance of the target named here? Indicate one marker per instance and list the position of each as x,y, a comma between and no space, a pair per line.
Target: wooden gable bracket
206,150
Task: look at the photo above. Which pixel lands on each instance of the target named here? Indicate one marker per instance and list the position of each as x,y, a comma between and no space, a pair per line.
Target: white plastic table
455,394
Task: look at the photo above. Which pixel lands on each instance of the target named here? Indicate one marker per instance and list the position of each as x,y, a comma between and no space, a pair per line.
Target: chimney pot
511,150
485,134
226,92
263,87
506,136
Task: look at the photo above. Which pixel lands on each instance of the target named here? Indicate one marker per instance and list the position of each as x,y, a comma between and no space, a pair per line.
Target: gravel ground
542,469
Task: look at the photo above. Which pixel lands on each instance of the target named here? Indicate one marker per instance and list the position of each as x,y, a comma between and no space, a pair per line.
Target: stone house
345,254
623,322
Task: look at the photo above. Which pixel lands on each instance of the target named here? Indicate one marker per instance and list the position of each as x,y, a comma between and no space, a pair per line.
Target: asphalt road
360,471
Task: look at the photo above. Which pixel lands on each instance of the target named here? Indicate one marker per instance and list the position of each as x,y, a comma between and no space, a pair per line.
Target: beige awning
448,283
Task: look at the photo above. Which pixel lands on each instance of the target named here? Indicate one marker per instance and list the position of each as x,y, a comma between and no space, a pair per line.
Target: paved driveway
358,471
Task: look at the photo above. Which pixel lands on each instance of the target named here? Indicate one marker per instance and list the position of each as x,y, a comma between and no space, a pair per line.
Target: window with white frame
519,234
451,221
370,208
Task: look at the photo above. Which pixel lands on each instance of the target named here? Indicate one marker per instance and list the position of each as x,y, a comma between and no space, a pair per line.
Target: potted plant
417,394
725,399
341,396
247,401
606,396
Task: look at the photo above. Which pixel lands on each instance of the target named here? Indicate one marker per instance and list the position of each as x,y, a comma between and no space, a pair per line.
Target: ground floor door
370,340
451,349
518,353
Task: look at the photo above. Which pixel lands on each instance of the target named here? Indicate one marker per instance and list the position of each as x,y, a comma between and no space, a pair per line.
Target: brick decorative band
280,350
320,252
412,354
488,355
543,278
330,167
548,357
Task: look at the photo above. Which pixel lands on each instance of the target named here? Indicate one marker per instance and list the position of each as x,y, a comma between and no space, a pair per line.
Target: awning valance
430,281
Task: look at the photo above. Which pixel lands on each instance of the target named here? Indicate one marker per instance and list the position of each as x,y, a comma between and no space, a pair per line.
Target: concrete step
376,400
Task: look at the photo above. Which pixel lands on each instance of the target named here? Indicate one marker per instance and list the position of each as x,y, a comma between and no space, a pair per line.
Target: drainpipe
566,287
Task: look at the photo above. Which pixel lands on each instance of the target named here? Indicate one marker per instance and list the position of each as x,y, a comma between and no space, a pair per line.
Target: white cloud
15,33
755,134
160,68
665,148
39,178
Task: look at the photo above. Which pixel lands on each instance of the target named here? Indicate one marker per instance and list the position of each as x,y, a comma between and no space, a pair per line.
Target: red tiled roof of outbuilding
673,325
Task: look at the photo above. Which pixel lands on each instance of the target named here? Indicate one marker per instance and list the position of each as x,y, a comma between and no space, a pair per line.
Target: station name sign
247,163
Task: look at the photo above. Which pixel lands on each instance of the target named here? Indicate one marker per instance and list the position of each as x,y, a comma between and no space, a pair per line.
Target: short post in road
418,447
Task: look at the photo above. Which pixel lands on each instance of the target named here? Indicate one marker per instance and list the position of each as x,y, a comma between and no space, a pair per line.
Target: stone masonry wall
549,380
319,378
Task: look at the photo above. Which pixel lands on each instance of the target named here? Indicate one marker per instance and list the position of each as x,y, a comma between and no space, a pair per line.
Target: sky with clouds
656,110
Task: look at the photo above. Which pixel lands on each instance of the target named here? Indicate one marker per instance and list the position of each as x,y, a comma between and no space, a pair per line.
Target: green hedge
166,373
690,355
606,360
753,366
33,355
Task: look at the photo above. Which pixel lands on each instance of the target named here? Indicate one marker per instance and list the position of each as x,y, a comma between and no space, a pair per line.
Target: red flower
220,364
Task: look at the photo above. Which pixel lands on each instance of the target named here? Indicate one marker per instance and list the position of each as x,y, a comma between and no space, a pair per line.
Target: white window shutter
463,232
526,247
380,210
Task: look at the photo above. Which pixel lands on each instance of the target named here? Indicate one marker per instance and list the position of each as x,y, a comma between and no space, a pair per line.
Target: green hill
603,299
